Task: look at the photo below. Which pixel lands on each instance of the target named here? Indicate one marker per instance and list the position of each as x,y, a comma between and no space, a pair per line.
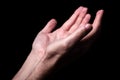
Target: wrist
29,66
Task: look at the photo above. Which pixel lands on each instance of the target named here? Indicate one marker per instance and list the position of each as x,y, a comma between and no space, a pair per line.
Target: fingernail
88,26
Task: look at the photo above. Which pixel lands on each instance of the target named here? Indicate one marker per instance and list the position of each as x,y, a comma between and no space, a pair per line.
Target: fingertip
49,26
88,27
100,11
78,9
53,20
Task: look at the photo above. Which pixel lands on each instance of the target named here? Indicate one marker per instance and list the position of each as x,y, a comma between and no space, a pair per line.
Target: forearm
32,68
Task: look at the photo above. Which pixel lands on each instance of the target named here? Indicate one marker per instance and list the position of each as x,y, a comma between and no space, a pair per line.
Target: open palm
73,30
49,45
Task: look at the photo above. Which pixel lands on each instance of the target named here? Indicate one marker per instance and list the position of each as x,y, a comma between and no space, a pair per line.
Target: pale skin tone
49,46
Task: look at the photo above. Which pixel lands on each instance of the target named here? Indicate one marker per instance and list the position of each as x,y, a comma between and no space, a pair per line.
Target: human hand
64,37
49,46
79,18
84,44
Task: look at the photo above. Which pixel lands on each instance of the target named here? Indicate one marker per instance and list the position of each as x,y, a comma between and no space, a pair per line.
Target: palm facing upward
50,45
60,40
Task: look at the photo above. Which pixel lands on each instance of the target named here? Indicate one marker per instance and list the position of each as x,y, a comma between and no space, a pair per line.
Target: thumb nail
88,26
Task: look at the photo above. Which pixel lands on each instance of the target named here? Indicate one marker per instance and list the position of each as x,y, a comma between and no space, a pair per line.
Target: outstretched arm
49,45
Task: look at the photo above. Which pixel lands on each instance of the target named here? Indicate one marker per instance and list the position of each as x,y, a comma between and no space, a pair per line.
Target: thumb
78,34
50,26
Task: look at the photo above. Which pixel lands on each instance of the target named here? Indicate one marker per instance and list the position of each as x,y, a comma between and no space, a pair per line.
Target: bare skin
49,46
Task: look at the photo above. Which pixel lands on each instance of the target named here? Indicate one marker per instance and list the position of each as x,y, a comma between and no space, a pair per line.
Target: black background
21,21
